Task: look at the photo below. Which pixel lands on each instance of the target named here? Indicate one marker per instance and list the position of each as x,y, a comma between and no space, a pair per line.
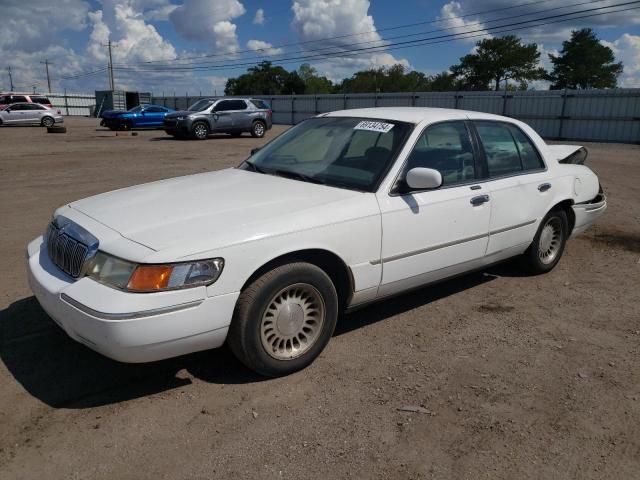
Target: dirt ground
515,376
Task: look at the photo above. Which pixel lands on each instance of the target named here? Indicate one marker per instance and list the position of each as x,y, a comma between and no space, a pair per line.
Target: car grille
67,253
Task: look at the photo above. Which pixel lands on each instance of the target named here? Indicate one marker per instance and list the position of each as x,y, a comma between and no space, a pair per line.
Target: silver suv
220,115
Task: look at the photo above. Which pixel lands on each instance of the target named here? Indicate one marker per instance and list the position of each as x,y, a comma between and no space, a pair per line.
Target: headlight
126,275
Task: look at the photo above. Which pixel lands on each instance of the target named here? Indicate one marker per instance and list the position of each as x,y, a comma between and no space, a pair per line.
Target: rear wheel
548,245
200,131
47,122
284,319
258,129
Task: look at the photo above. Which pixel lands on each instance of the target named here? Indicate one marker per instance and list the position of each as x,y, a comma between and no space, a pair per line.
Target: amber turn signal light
148,278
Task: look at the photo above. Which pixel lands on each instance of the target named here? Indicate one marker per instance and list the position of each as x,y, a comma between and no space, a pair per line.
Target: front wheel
284,319
200,131
548,245
48,122
258,129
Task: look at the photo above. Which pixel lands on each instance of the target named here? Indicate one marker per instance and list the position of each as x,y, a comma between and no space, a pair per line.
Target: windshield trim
375,186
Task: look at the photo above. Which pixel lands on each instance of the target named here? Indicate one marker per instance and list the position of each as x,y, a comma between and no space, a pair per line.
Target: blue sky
174,36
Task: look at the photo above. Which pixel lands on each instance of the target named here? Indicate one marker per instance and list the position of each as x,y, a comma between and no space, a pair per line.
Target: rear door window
260,104
18,98
41,100
500,149
531,159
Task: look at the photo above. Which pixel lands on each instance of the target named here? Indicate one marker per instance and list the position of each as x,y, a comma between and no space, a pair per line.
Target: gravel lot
515,376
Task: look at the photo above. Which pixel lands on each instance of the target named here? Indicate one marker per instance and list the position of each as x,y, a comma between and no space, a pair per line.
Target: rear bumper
587,213
125,326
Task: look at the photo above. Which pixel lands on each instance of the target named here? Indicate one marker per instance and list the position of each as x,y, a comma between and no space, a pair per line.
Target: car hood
179,113
214,209
113,113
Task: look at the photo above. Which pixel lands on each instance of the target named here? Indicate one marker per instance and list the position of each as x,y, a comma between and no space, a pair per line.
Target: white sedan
341,210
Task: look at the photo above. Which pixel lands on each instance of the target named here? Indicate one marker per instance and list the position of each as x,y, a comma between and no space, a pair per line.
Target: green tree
314,83
385,79
444,82
584,63
498,60
263,79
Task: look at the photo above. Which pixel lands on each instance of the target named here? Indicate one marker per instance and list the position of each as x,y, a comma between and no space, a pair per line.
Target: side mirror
254,150
7,109
423,178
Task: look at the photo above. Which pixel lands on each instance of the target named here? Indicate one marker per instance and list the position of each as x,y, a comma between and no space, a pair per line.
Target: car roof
416,114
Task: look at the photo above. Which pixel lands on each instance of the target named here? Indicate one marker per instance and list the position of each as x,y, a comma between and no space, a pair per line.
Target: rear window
260,104
41,100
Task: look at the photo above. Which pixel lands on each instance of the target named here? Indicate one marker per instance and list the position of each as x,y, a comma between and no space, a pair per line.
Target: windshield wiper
297,176
254,167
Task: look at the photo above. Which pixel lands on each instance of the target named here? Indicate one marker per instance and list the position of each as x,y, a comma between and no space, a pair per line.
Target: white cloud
209,21
627,50
263,47
318,19
32,26
451,18
259,17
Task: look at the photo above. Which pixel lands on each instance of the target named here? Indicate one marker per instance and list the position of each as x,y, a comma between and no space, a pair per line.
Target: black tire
200,130
56,129
245,336
258,129
47,122
545,251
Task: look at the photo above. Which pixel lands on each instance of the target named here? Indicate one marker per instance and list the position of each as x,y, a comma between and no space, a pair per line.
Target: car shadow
65,374
220,136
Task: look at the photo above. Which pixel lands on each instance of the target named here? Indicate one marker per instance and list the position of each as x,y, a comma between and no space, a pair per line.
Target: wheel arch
566,205
331,263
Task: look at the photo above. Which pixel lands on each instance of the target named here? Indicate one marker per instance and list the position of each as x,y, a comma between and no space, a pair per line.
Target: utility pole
46,66
10,78
112,84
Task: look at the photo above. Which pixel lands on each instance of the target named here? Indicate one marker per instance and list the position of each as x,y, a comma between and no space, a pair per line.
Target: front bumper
587,213
129,327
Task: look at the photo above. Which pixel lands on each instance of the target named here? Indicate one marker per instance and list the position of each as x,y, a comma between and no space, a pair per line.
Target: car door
432,234
33,113
221,116
240,115
518,184
154,116
15,113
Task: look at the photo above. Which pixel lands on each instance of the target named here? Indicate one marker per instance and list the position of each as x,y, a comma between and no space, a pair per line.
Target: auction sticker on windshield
374,126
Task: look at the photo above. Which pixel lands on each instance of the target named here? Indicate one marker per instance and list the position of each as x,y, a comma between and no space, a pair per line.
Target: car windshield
200,105
344,152
137,108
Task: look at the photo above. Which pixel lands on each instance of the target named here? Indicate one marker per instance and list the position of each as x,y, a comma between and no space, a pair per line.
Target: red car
7,99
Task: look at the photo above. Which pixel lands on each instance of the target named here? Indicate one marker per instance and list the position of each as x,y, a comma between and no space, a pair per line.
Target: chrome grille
66,252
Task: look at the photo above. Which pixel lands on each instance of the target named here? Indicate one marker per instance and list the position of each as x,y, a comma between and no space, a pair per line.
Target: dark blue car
142,116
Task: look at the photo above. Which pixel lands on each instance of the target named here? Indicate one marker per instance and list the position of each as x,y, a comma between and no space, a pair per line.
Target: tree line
497,63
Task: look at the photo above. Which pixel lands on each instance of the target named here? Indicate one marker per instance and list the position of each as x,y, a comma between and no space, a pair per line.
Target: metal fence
81,104
593,115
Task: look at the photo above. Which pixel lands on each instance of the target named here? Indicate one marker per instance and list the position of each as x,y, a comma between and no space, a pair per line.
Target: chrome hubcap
550,240
292,322
201,131
259,129
47,122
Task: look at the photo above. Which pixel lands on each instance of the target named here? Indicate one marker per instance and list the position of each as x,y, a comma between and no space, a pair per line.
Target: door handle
479,200
543,187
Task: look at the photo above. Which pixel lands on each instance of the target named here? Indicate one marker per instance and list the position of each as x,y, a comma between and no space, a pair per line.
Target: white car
30,114
341,210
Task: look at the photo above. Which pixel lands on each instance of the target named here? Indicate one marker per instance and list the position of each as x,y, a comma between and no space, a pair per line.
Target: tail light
269,112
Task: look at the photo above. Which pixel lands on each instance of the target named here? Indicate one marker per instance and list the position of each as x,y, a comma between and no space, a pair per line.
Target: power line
404,44
323,40
382,41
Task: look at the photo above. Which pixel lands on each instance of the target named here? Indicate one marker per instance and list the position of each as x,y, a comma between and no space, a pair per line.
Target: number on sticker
374,126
